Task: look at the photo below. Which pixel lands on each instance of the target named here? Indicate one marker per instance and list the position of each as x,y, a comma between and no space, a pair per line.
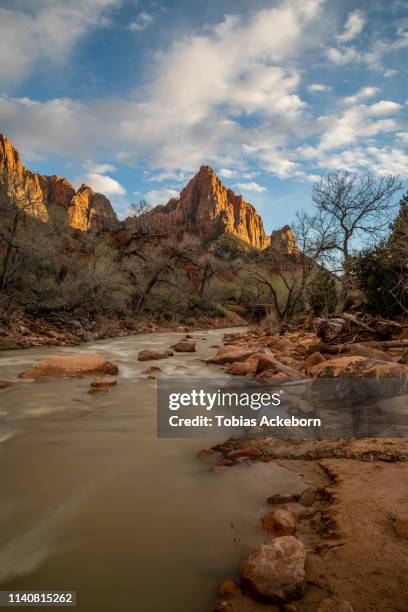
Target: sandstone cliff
207,209
52,195
283,241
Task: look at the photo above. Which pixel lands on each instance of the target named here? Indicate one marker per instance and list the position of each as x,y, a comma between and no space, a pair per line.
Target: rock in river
71,365
281,521
103,382
149,354
276,571
6,383
185,346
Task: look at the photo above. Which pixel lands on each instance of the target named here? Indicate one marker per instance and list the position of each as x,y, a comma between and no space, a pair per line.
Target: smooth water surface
92,501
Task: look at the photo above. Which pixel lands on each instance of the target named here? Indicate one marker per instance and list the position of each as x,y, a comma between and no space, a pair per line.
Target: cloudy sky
132,96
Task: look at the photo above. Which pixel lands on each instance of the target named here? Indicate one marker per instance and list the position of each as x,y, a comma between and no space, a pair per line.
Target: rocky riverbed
340,544
278,524
20,330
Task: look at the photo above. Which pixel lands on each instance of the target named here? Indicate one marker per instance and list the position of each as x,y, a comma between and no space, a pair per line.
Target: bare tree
287,278
352,208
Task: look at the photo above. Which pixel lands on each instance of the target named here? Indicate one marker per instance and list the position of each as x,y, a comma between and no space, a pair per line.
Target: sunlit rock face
207,209
283,241
90,211
54,195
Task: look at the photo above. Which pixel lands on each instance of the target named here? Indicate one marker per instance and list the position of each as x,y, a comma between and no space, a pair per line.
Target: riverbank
21,331
351,523
354,526
91,461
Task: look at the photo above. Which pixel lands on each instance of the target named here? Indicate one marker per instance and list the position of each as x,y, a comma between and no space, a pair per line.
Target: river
92,501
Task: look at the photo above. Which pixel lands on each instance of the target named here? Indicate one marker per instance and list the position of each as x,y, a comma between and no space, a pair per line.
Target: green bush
378,276
322,293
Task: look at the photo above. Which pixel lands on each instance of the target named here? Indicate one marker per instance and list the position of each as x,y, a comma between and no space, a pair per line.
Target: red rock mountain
207,209
83,209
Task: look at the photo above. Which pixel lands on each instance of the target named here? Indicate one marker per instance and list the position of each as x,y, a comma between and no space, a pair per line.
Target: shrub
322,293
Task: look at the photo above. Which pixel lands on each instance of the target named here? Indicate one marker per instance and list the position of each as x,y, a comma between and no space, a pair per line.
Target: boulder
71,365
358,367
151,370
149,354
185,346
276,571
103,382
332,604
242,368
281,521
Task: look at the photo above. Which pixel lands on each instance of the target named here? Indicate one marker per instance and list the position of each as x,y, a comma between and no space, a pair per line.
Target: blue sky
132,96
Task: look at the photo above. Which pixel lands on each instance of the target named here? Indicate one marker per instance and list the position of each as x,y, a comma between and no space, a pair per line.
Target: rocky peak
83,209
207,209
283,241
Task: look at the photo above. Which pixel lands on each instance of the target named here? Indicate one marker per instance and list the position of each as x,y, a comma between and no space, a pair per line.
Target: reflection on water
92,501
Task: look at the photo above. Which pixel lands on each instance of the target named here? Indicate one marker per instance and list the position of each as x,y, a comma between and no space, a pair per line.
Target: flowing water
92,501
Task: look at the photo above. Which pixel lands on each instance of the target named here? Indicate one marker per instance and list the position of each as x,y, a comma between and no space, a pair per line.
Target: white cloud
187,114
160,196
358,122
390,72
141,22
227,173
353,26
104,184
380,160
250,73
227,95
168,175
362,94
388,160
92,166
319,87
251,186
54,126
45,30
343,56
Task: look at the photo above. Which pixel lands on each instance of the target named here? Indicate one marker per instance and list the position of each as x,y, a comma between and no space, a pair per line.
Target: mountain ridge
83,209
205,207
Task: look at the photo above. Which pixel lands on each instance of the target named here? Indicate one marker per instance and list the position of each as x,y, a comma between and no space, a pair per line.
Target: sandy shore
356,531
